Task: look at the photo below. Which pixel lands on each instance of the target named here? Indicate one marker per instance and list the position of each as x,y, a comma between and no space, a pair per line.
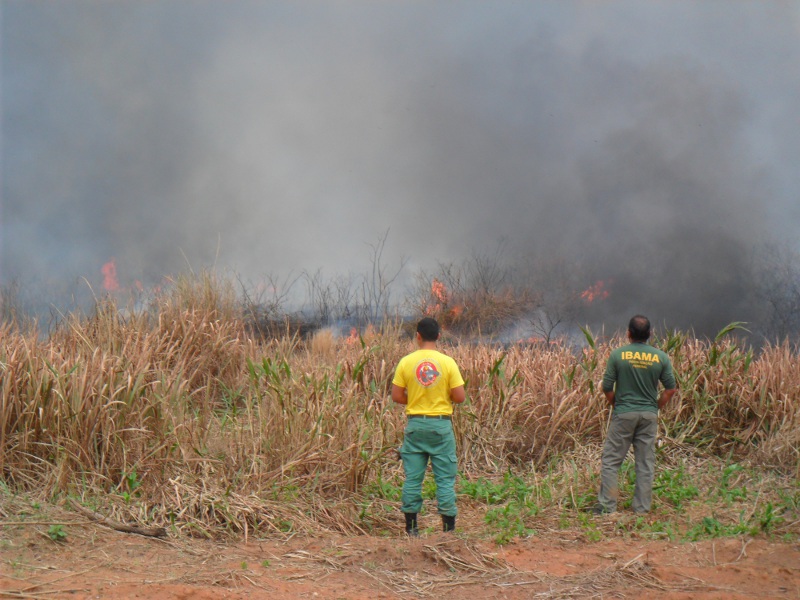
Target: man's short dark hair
428,328
639,328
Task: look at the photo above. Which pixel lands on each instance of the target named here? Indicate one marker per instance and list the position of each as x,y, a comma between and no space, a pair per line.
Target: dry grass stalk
179,410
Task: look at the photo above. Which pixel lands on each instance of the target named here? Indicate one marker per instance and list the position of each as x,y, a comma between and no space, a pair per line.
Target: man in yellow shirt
428,383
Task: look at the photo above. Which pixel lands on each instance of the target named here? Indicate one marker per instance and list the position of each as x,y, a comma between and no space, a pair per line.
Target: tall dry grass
181,417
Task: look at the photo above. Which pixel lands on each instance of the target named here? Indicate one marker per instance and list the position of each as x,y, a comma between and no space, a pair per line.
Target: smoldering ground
646,146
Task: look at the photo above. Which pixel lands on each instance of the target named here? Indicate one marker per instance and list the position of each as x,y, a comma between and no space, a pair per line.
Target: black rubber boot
448,523
411,524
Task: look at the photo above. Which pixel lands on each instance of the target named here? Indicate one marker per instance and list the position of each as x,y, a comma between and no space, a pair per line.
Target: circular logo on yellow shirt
427,373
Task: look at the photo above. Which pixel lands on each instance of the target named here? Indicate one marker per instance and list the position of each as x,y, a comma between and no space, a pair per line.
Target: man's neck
427,345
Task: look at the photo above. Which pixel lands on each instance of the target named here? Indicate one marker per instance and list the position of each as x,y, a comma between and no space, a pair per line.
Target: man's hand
399,394
665,397
458,394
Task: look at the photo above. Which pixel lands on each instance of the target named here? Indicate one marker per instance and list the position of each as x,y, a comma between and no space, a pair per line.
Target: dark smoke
644,146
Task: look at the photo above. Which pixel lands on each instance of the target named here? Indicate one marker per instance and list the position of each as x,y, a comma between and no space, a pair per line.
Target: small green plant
517,500
265,563
645,528
129,485
482,489
513,487
428,488
288,493
57,533
673,486
285,526
231,401
516,487
383,489
790,500
593,534
590,529
711,527
366,513
728,493
627,476
581,502
769,519
708,527
132,481
508,521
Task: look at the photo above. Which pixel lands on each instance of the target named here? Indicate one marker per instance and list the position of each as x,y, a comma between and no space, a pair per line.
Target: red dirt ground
95,562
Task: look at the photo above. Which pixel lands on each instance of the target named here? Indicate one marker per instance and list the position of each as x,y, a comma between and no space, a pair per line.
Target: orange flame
439,291
353,336
594,292
439,296
109,270
440,300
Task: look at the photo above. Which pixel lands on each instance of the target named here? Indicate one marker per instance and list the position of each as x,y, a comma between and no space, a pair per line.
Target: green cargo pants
640,429
429,439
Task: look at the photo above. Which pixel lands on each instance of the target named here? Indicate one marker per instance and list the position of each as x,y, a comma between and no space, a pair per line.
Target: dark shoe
411,524
448,523
599,509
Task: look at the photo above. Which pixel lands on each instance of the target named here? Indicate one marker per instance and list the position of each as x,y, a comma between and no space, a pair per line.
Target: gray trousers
639,429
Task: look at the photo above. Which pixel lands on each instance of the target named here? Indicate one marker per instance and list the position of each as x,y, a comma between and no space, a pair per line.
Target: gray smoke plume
650,146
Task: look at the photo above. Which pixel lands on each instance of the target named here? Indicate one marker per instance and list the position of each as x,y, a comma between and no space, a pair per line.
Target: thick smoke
281,137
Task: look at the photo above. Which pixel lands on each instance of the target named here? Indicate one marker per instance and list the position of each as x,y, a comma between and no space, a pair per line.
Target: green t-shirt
634,372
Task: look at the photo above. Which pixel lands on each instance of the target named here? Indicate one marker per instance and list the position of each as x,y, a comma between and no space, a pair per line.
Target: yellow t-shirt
428,376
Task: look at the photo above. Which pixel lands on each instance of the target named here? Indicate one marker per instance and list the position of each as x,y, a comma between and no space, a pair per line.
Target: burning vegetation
169,414
110,281
595,292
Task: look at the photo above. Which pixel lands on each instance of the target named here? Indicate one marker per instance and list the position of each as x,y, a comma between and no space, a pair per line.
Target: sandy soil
97,562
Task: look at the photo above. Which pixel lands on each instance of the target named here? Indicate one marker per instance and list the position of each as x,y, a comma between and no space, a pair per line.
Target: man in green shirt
630,384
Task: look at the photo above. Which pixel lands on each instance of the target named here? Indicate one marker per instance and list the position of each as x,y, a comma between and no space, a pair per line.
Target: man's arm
399,394
458,394
669,383
665,397
609,383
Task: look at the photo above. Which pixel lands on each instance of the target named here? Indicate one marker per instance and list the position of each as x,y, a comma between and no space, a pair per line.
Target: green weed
57,533
285,525
383,489
725,491
673,486
482,489
129,486
513,487
645,528
428,488
711,527
769,518
508,522
518,505
589,527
